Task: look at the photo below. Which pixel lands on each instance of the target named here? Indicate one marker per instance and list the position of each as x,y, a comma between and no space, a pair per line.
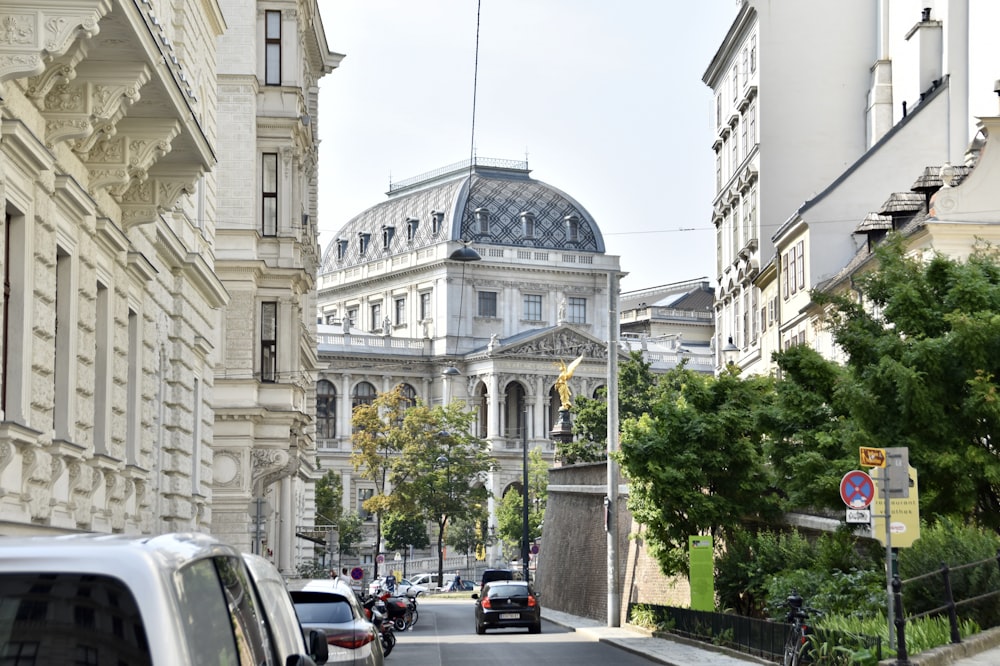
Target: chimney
930,49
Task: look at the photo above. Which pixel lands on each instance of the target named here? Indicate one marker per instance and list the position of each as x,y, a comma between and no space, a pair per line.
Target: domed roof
494,202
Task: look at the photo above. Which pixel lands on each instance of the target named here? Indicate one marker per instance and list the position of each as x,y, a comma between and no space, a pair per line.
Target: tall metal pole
612,503
524,511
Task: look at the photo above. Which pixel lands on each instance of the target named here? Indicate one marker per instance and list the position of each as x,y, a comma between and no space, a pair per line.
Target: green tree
382,430
924,363
811,439
441,468
510,510
696,462
402,530
329,499
636,387
469,533
351,533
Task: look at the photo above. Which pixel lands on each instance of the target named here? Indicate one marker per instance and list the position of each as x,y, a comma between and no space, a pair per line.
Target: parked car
430,580
508,603
332,606
402,587
490,575
169,600
289,636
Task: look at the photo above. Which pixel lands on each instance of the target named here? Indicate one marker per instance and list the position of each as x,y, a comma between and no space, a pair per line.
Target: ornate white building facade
271,59
107,142
398,306
824,122
158,175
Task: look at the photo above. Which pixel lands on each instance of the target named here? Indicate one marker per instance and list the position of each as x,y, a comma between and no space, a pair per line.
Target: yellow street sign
904,512
872,457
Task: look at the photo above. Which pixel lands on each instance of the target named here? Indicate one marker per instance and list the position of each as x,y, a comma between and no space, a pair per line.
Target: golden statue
562,381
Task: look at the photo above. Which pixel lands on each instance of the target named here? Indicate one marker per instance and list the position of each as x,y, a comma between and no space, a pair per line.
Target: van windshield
46,618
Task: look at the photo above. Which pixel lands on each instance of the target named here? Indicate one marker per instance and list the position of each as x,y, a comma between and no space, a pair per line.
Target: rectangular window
577,310
746,67
352,317
753,315
752,129
736,152
718,110
269,194
104,343
784,276
753,53
736,85
743,135
425,306
400,311
64,420
364,494
718,249
487,304
268,341
272,48
801,273
718,170
533,307
376,312
792,270
133,399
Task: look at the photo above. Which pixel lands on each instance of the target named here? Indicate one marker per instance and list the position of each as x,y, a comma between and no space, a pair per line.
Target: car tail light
486,603
531,601
351,640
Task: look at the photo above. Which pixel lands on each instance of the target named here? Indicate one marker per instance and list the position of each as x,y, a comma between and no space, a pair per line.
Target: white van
430,580
170,600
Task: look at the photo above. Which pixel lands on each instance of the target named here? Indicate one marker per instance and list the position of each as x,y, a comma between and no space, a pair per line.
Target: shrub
953,544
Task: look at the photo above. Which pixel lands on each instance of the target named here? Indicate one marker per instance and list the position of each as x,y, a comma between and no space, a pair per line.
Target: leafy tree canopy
696,462
924,357
636,388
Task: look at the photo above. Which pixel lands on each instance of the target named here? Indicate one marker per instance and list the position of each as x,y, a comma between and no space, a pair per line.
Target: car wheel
480,629
535,628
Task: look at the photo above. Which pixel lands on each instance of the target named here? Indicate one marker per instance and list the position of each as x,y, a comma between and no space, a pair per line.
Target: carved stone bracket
116,161
269,465
87,108
33,33
143,201
60,72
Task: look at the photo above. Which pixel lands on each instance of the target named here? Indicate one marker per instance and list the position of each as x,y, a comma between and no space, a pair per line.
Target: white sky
604,97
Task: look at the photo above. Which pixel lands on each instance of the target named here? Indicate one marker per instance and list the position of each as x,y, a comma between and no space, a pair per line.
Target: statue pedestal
563,430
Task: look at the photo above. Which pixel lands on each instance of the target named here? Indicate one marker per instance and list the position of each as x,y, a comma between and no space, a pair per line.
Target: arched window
364,394
326,410
515,400
409,395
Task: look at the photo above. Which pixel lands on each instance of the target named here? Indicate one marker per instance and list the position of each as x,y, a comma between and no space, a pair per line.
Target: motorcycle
401,610
374,610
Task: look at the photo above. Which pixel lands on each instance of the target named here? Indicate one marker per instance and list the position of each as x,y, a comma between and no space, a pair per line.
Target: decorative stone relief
24,49
226,470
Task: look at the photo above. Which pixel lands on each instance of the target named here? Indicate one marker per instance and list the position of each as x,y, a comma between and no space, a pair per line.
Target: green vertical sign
702,574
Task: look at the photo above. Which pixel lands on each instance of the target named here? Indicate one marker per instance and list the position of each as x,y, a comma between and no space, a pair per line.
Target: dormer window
412,224
482,221
363,240
387,235
572,228
437,218
528,224
341,249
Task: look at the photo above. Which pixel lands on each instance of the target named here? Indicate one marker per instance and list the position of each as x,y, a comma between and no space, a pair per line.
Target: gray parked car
289,637
170,600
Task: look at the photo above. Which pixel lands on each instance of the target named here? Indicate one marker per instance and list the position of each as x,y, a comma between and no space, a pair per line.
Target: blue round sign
857,489
357,573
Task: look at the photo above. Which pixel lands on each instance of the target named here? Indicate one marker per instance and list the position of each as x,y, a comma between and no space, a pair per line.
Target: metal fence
759,638
949,605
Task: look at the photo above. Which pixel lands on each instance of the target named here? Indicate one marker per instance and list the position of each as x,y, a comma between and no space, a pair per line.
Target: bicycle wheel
791,655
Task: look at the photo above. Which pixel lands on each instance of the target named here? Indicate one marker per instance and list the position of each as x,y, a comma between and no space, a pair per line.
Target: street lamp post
524,498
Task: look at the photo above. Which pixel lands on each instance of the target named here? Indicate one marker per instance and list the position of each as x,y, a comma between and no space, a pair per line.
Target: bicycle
797,642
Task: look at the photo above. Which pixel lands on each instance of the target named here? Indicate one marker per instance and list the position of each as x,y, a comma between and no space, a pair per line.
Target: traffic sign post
857,489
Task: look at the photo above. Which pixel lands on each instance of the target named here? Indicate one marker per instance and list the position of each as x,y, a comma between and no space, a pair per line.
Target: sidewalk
662,650
980,650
